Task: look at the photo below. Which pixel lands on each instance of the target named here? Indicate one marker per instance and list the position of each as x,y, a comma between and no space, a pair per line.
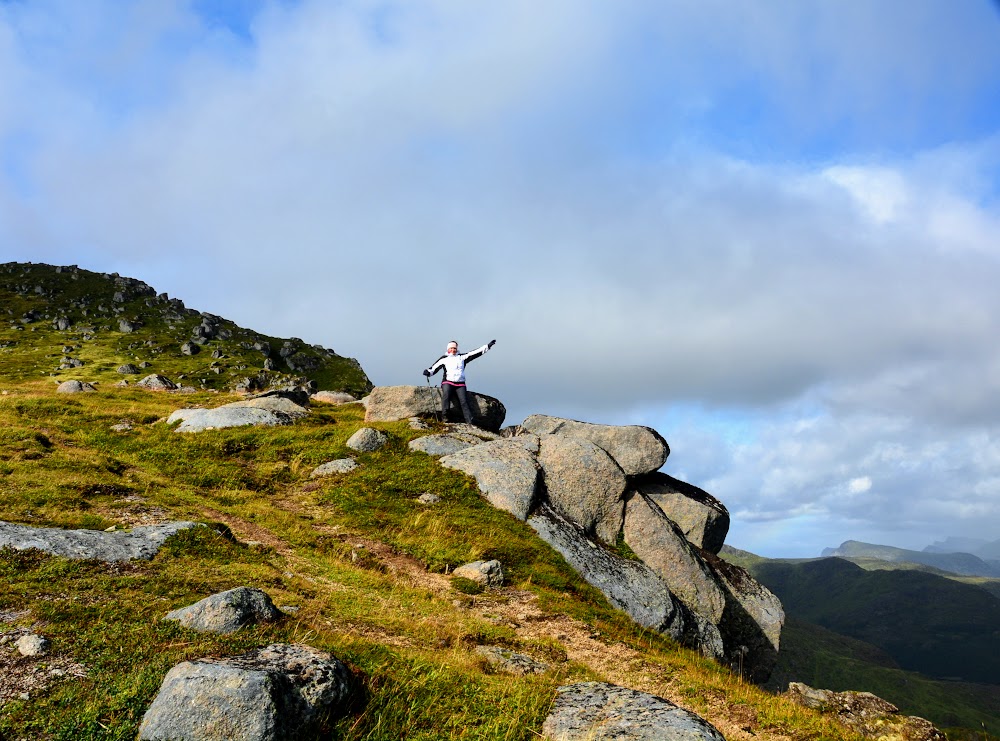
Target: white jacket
454,365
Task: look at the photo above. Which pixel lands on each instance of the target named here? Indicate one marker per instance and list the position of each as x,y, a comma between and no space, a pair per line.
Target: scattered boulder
140,543
156,382
428,498
702,518
484,573
198,420
584,484
661,545
507,474
74,387
367,439
125,326
341,465
227,612
867,714
128,368
597,711
281,691
333,397
62,324
190,348
636,449
505,660
33,644
393,403
631,586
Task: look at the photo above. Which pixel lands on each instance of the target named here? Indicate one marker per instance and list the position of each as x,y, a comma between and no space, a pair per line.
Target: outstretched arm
434,367
469,357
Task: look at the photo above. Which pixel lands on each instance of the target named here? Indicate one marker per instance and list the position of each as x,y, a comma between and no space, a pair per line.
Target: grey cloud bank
808,316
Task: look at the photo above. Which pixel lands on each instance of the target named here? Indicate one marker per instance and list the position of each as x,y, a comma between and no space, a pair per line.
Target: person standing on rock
453,363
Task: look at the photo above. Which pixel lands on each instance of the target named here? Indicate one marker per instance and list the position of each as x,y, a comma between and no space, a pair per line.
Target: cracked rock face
584,484
597,711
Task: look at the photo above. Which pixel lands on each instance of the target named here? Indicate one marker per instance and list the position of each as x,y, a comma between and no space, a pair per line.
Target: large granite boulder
597,711
584,484
751,622
227,612
277,692
393,403
630,586
702,518
506,472
140,543
661,545
636,449
198,420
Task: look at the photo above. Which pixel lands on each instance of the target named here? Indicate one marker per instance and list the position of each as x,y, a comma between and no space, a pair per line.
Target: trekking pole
437,412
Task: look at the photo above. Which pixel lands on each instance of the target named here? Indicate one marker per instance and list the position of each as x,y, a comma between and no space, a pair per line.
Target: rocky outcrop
584,484
865,713
631,586
393,403
507,474
702,518
661,545
646,540
277,692
751,621
227,612
636,449
140,543
597,711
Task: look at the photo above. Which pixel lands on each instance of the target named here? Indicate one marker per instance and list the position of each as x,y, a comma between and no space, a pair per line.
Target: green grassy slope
928,623
357,562
822,658
898,608
35,298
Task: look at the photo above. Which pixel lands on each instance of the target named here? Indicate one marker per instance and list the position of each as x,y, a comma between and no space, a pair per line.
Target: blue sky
769,229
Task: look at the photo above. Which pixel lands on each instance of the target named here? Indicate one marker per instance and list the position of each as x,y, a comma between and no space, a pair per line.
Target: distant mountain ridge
984,549
105,328
923,641
964,564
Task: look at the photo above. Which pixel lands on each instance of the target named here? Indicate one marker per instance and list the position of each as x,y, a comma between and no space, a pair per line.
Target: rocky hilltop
213,565
101,327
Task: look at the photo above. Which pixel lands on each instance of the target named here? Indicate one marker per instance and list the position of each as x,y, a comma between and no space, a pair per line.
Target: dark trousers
463,401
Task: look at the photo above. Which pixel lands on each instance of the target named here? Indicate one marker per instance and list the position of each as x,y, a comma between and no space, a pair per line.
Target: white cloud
593,188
